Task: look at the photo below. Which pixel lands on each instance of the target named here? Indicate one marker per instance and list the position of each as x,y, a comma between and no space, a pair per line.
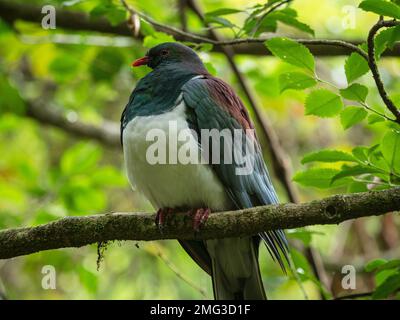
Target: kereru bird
179,90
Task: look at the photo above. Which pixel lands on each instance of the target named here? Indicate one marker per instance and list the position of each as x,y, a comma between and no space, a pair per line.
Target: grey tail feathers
235,269
277,246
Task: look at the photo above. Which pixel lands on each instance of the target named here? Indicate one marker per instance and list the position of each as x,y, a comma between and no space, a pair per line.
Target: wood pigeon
179,93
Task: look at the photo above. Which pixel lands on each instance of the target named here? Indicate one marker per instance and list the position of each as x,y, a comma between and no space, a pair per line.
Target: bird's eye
164,52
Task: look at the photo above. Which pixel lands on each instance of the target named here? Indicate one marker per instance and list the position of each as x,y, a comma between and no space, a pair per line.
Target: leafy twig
374,68
196,38
272,9
364,104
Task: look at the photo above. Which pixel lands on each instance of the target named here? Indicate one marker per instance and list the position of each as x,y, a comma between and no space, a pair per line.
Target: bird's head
169,53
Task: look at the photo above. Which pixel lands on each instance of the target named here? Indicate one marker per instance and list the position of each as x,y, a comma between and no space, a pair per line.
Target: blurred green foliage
327,113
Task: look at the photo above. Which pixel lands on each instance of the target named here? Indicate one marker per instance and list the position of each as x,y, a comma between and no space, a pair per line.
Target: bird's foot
161,217
199,217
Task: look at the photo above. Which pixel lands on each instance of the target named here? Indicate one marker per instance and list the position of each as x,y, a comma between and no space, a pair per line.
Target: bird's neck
159,90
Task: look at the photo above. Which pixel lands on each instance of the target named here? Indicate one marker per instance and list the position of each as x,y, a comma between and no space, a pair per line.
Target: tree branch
74,20
355,296
81,231
108,133
217,42
182,14
374,68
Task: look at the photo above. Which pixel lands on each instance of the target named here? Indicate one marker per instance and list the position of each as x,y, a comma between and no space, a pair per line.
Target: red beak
140,62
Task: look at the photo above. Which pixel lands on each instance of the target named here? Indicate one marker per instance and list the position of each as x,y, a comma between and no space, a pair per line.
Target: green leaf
354,171
377,160
374,264
361,153
392,264
355,92
374,118
287,11
203,47
328,156
115,14
88,279
291,52
373,149
11,100
64,66
210,68
87,200
356,186
390,148
389,286
146,28
381,7
80,158
289,20
219,20
352,115
107,176
355,66
323,103
380,277
267,25
295,81
300,262
302,234
222,12
317,177
304,271
156,38
386,39
106,64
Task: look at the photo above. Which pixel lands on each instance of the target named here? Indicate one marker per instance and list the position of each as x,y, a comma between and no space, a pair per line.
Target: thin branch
374,68
182,14
166,28
83,230
355,296
107,133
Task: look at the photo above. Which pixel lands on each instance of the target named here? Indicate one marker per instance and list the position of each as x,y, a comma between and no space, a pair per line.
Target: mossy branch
84,230
74,20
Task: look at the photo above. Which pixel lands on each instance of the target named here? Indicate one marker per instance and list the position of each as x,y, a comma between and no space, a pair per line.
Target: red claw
161,217
200,217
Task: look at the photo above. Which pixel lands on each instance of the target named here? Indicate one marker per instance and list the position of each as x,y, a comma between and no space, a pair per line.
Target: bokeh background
47,173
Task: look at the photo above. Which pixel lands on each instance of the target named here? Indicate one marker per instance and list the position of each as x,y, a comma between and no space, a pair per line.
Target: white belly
170,185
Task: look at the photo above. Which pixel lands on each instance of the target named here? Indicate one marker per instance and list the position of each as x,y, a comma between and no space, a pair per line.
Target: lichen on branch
84,230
